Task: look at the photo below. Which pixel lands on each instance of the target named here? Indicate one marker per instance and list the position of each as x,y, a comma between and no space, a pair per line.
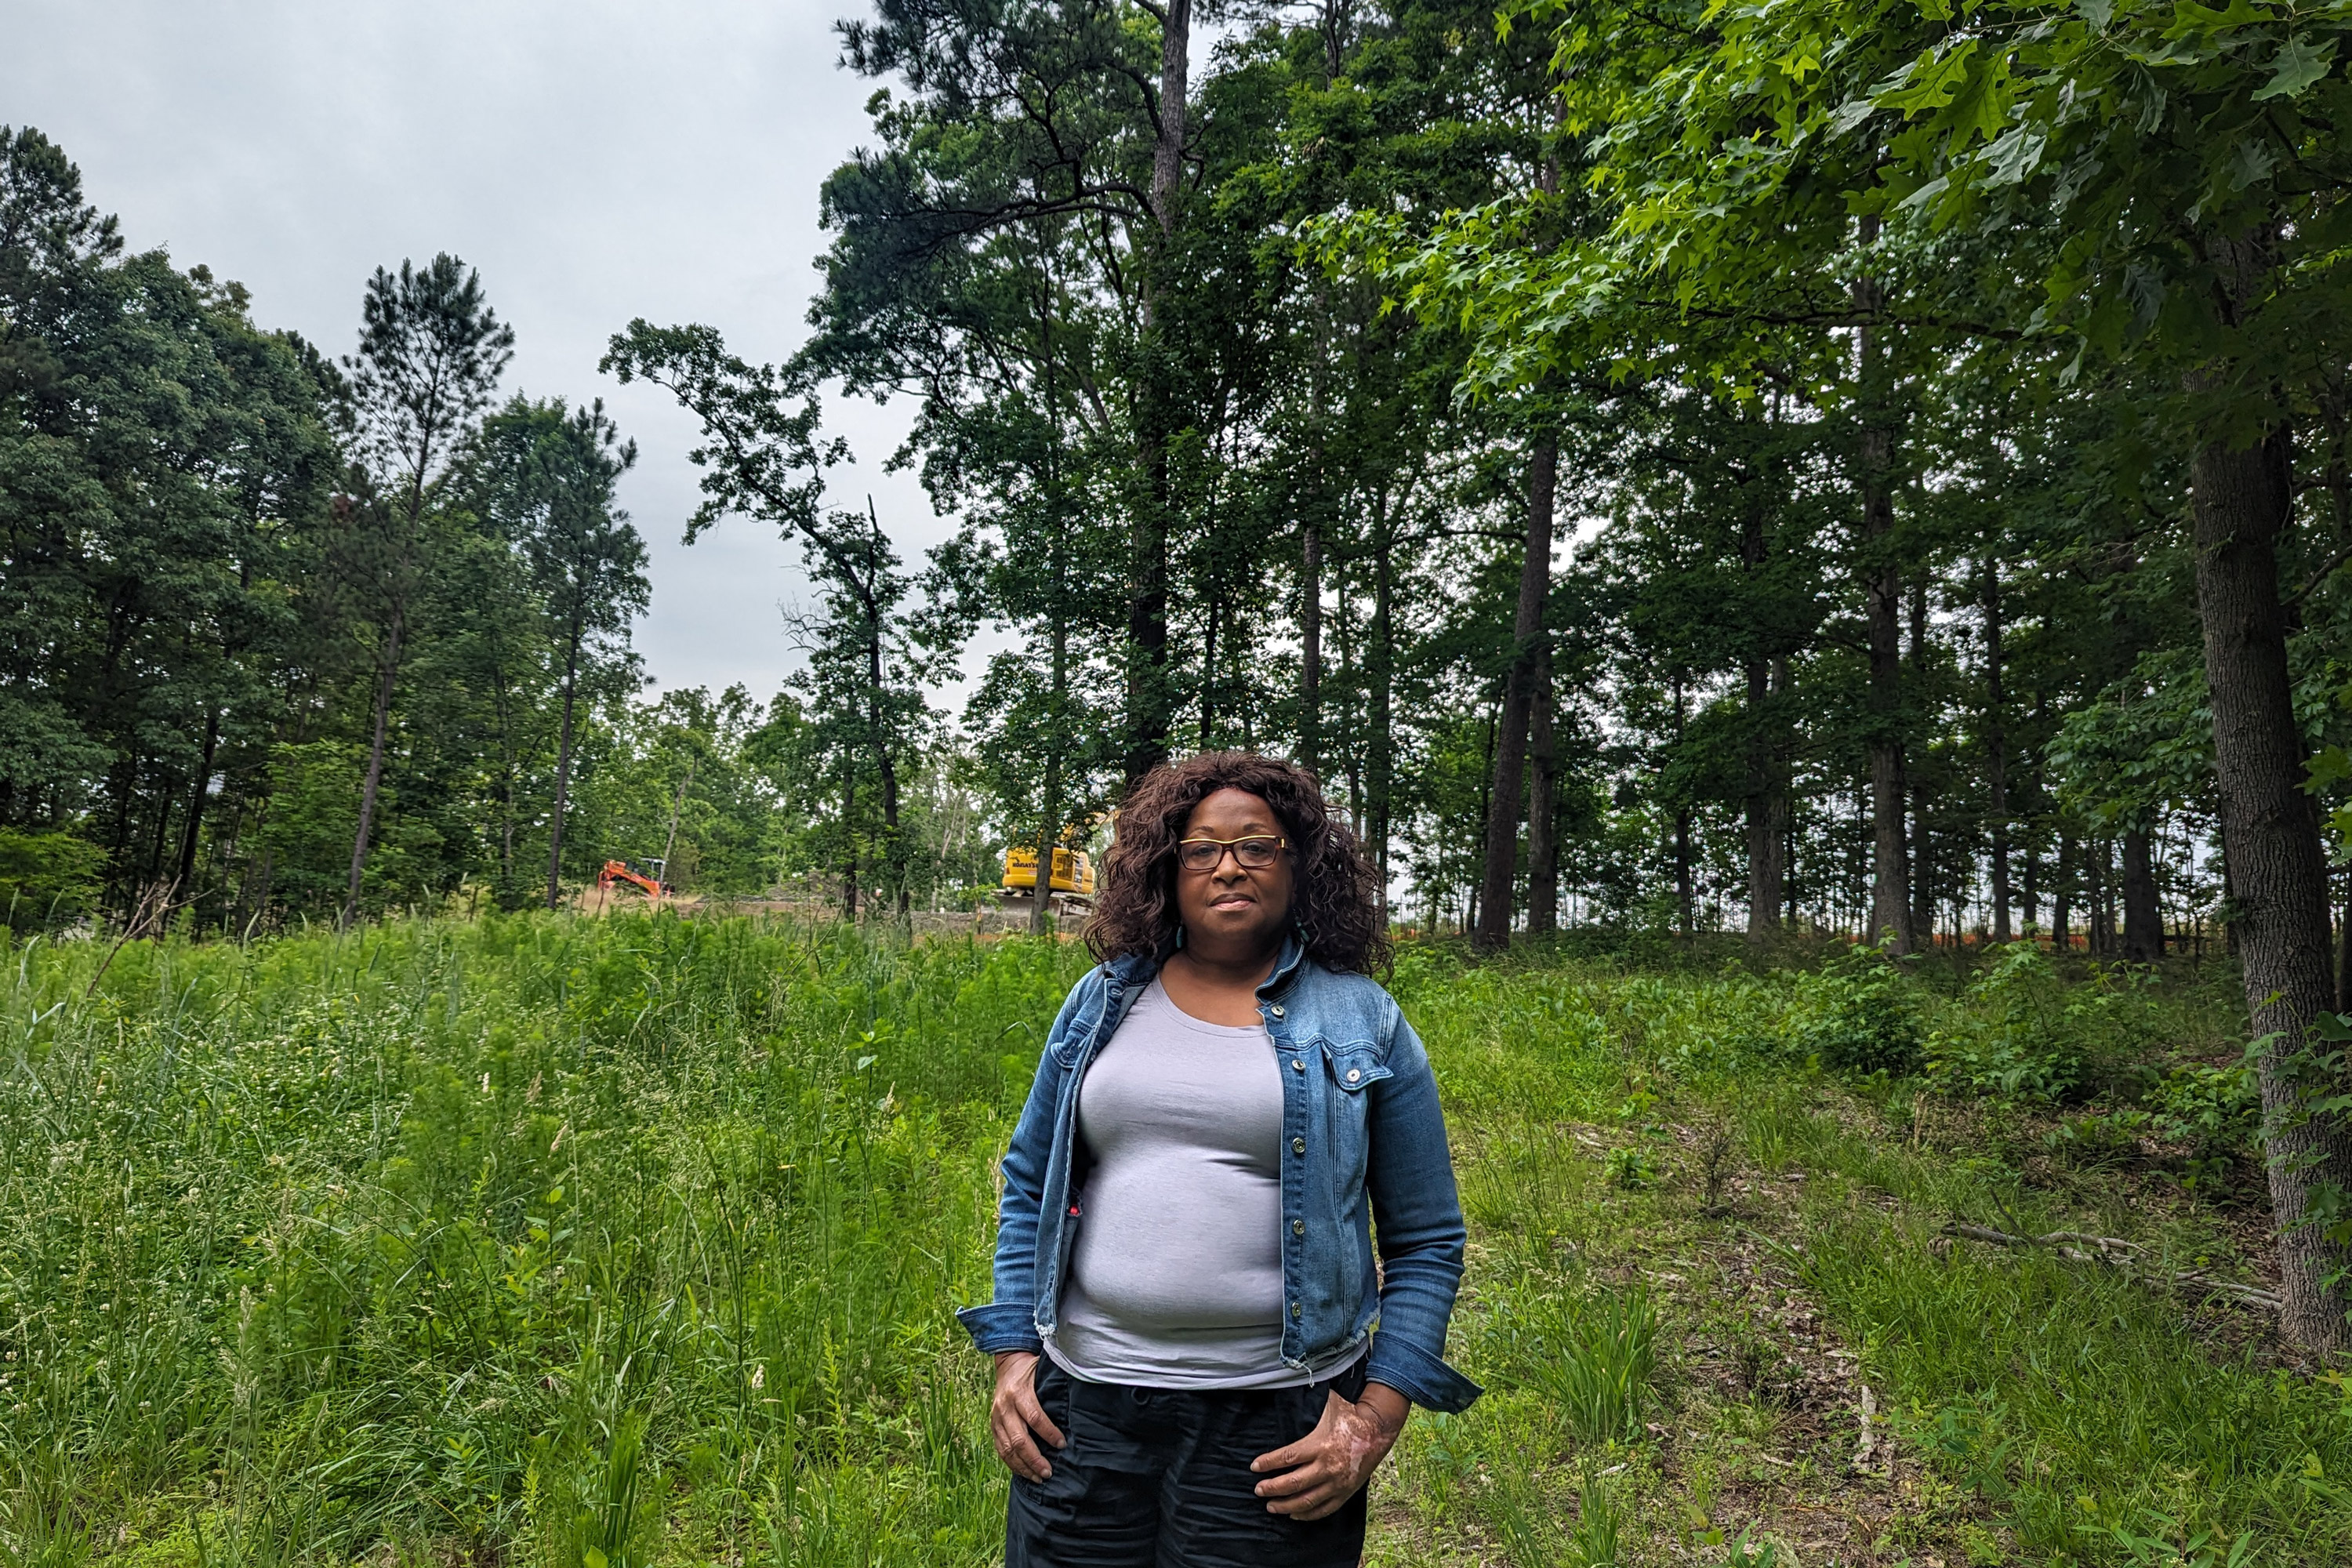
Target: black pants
1160,1478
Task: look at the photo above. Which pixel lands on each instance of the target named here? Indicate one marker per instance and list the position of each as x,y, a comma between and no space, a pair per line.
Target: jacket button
1276,1009
1297,1066
1294,1309
1355,1073
1298,1227
1298,1145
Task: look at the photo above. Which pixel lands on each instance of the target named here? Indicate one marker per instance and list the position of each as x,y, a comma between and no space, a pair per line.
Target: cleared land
600,1243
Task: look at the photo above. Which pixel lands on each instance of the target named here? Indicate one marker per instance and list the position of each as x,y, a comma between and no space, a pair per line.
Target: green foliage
1596,1540
1857,1014
547,1237
1592,1356
48,879
1630,1169
2216,1111
2020,1033
421,1253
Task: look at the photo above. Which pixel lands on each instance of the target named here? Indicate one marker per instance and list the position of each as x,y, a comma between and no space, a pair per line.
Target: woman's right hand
1013,1415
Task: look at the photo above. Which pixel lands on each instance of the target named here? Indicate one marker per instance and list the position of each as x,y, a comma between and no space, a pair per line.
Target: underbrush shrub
1858,1014
2021,1032
48,879
2216,1111
2211,1114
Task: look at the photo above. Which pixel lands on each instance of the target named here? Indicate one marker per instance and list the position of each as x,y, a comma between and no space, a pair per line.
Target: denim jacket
1363,1144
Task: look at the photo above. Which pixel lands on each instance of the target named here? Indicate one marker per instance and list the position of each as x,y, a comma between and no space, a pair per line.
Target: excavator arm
622,871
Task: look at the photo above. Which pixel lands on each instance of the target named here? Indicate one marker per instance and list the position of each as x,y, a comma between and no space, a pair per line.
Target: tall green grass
614,1240
2094,1419
635,1242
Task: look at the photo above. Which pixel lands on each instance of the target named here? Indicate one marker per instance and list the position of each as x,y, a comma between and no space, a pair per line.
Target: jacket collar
1286,966
1135,969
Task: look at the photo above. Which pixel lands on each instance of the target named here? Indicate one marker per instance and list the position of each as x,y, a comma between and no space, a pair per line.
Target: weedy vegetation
609,1243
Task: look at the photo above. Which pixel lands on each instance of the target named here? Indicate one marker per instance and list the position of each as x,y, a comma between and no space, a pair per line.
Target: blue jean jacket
1363,1144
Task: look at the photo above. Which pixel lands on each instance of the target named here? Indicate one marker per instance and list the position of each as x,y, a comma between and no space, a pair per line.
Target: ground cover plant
606,1243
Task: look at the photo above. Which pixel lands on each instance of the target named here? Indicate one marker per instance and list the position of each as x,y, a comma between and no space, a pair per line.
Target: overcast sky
595,161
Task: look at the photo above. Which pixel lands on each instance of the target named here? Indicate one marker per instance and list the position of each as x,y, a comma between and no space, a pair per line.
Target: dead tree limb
2127,1257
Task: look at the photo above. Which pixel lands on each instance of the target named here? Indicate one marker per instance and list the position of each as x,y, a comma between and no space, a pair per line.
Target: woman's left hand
1331,1464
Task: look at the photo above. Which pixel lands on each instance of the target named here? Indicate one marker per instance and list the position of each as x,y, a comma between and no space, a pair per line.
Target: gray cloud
595,161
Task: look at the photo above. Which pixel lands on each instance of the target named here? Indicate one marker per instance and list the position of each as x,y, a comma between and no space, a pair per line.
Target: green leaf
2331,765
2097,12
1934,80
2296,66
2014,156
1851,113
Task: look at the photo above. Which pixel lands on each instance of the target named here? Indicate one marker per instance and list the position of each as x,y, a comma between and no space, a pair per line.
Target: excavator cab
1070,883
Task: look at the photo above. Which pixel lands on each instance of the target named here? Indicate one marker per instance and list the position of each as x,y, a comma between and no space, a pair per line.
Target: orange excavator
648,883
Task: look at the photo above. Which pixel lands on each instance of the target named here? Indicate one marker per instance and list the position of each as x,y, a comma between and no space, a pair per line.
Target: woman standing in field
1198,1360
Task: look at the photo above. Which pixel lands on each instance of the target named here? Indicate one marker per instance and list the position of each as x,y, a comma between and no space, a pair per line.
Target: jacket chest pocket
1349,1072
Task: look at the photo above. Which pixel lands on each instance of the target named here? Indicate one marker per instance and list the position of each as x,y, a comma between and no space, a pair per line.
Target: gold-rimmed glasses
1251,852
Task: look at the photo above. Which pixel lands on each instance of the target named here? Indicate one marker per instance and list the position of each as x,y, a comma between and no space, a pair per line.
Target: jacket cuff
1419,1376
1001,1326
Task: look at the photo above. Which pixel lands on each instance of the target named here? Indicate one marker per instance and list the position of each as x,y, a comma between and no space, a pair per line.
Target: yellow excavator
1071,885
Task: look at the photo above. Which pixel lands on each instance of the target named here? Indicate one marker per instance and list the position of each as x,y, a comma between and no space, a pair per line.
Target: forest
1722,482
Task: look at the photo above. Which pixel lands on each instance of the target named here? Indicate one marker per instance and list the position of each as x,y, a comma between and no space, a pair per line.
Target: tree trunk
1147,606
1996,754
2344,949
185,879
1923,839
1890,912
1767,795
1768,809
2102,899
1208,664
1379,764
2062,895
1485,816
668,880
1049,826
2242,502
1543,806
1168,146
848,838
1519,701
1685,894
390,669
563,772
507,771
1311,647
2143,915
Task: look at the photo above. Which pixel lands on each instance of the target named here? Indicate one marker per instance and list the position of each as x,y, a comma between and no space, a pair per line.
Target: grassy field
597,1243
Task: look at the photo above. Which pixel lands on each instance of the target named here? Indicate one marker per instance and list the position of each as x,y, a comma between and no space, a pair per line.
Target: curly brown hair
1335,905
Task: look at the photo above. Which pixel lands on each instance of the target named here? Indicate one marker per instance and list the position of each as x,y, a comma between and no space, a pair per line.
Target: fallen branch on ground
2128,1257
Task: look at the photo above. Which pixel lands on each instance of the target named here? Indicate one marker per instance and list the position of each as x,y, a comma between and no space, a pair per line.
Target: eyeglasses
1255,853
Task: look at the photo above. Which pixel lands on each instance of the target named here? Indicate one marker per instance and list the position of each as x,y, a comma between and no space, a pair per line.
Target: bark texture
1768,810
2143,915
1543,807
1147,587
1508,778
388,672
2241,500
1996,738
1890,904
